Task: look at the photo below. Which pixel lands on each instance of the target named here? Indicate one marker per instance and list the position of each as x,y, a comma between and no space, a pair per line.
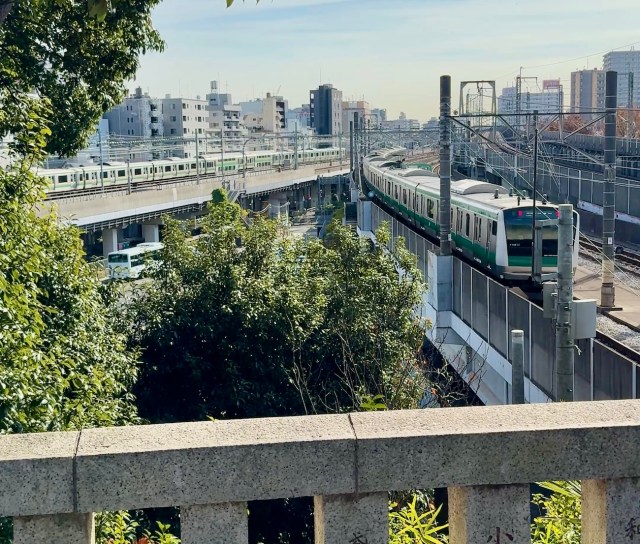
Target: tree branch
5,8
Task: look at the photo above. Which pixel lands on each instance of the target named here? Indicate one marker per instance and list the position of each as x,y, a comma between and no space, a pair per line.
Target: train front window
518,225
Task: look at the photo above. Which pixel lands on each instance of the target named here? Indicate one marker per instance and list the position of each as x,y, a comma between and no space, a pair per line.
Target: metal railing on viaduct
53,483
474,333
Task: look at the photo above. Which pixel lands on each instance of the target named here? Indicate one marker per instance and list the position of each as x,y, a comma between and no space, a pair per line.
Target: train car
489,225
115,173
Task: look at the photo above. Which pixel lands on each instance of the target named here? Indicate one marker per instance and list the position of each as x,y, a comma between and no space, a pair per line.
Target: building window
184,130
173,131
184,117
184,106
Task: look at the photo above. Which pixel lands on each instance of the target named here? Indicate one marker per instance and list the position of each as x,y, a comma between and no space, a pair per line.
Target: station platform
587,286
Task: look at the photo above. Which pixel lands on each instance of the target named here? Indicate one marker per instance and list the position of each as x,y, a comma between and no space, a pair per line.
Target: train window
193,165
430,208
467,225
181,167
210,164
395,187
105,175
494,227
167,168
122,173
62,179
404,196
137,171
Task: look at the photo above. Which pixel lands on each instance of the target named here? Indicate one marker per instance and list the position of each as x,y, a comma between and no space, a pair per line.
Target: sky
390,53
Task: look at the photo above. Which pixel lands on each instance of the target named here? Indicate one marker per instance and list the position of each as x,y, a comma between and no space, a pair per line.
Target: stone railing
53,483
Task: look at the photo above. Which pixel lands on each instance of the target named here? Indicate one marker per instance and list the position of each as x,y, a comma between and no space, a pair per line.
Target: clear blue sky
391,52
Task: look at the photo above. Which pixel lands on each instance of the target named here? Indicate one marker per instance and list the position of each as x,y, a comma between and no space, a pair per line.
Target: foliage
76,62
123,528
277,327
412,524
559,521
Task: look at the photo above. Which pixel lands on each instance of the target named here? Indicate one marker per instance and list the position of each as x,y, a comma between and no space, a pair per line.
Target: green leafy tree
78,63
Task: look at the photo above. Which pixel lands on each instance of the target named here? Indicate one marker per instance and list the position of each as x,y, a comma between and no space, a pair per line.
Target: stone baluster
611,511
489,514
225,523
352,519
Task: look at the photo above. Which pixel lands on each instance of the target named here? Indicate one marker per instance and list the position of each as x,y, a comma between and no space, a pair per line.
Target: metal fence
493,310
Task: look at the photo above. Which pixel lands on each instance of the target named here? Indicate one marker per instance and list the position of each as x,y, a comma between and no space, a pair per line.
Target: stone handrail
52,483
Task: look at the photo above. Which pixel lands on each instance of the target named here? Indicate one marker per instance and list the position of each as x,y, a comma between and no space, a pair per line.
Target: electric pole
607,290
445,166
565,332
536,260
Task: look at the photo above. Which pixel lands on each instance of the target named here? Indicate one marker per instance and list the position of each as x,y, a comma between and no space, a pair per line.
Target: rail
53,483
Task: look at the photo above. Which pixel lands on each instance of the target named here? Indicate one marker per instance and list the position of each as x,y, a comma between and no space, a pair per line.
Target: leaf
98,9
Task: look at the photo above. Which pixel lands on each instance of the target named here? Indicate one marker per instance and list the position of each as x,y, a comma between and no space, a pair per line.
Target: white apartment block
357,112
225,122
587,92
401,124
185,119
265,114
625,63
546,101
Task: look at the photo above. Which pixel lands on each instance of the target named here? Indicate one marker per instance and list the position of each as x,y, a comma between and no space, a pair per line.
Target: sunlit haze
391,52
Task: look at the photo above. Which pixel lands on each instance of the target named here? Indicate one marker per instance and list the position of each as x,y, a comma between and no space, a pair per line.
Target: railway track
592,249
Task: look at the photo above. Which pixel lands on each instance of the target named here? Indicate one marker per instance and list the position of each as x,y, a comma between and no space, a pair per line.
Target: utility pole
517,367
565,332
101,159
445,165
351,145
197,161
295,145
222,148
607,289
536,260
629,104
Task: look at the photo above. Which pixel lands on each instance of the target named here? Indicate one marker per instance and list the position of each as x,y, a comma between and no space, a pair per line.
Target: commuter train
488,225
114,173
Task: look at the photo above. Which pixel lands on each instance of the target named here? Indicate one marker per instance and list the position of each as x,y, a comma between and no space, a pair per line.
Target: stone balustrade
53,483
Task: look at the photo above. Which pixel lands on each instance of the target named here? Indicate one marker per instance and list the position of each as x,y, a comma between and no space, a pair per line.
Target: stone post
489,514
351,519
610,511
57,529
225,523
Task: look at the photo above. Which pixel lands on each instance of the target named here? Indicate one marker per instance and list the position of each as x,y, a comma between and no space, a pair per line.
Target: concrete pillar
489,514
610,511
151,233
225,523
109,241
67,528
340,519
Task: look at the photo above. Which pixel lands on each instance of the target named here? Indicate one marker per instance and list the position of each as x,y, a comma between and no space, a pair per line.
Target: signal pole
607,290
445,166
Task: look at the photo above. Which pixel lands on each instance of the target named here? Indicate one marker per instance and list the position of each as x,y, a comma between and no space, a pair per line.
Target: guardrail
52,483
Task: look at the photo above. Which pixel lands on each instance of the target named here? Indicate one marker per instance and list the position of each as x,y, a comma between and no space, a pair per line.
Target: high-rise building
549,100
138,115
358,112
627,64
186,119
225,118
326,110
587,92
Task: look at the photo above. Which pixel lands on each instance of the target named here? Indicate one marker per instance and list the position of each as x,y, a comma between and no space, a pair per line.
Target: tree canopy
77,63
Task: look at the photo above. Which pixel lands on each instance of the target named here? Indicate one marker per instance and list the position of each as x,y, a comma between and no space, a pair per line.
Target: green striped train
115,173
488,225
